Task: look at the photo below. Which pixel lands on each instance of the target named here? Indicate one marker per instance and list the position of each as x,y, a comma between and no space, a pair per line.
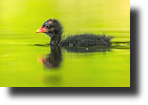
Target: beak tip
37,31
40,30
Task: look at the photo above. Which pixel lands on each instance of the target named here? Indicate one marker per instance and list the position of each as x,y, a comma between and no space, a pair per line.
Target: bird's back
86,40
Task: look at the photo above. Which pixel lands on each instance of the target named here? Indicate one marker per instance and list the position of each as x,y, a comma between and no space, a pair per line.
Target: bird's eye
47,26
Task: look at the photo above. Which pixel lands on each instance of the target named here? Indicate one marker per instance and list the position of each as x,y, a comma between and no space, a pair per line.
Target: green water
21,48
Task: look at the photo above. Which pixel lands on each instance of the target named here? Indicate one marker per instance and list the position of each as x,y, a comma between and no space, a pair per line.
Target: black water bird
54,30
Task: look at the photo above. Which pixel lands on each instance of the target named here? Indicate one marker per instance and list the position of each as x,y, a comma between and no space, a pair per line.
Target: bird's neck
55,38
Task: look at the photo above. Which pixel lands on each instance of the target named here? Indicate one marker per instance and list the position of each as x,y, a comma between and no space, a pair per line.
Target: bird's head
50,26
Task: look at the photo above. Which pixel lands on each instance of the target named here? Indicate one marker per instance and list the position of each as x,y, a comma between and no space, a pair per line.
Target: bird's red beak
40,30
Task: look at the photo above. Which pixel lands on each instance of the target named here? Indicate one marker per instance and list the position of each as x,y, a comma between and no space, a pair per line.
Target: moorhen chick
54,29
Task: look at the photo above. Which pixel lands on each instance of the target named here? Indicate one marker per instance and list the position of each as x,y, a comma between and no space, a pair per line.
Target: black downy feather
81,40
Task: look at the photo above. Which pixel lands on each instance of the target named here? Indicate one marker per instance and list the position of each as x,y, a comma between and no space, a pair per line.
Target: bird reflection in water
53,59
88,49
